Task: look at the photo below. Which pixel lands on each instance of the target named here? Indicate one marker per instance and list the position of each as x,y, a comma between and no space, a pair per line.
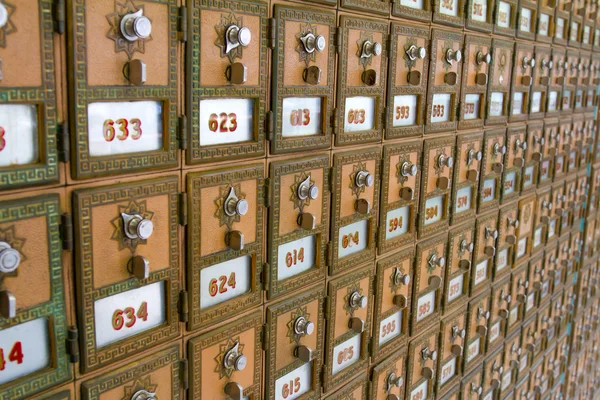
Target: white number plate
417,4
473,350
525,22
528,177
455,288
544,24
472,106
504,12
296,257
113,322
346,353
448,371
560,28
420,392
545,173
494,332
522,247
224,121
566,100
587,32
551,228
390,327
441,108
597,37
426,305
295,383
434,209
502,260
481,272
18,134
25,349
405,110
489,190
449,7
530,302
506,379
479,11
360,114
517,103
536,102
463,200
125,127
225,281
398,221
513,316
489,396
497,104
523,363
574,33
353,238
537,237
510,182
578,98
301,116
552,101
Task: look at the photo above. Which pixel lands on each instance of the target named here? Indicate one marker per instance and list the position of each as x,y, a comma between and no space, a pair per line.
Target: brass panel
541,81
531,345
458,266
534,277
525,228
522,75
493,369
519,290
490,182
512,352
469,154
486,239
452,349
569,88
386,375
543,212
499,85
478,317
533,156
475,77
513,163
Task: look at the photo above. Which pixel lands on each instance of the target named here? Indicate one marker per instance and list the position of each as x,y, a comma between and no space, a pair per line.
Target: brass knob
408,169
401,278
458,332
3,16
311,43
304,327
303,353
415,52
445,161
483,58
144,395
306,190
400,301
528,62
235,240
137,227
370,49
427,354
136,26
394,380
466,247
8,304
235,360
476,389
364,178
356,324
472,154
499,149
140,267
457,350
357,300
520,145
453,55
547,64
434,260
491,233
10,258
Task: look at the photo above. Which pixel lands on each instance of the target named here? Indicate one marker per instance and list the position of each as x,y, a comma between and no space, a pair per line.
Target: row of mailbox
127,111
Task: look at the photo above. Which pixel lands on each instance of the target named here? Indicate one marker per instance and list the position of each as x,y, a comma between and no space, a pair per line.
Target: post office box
505,18
294,345
545,279
589,243
563,350
445,75
298,222
387,378
452,393
583,81
422,363
563,146
349,314
531,345
415,10
527,18
516,145
475,76
576,248
226,363
123,61
438,164
380,7
492,167
561,24
581,196
595,64
493,370
570,66
594,191
540,82
583,289
543,211
538,381
545,21
469,153
478,318
552,366
525,228
472,385
428,282
401,183
533,156
159,375
590,12
453,331
226,81
558,314
407,80
512,354
549,151
302,98
518,291
486,237
571,195
357,389
553,268
589,131
129,231
479,15
576,25
501,300
578,339
498,93
523,67
449,12
355,207
225,266
546,326
559,209
574,139
565,254
31,113
393,295
535,276
458,267
35,334
557,80
361,74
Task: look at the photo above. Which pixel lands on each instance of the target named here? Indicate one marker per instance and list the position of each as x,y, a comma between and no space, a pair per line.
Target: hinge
326,307
272,33
182,132
329,255
267,192
494,15
59,16
264,336
334,119
264,275
374,282
66,231
183,209
384,118
183,306
338,40
330,179
322,373
269,128
184,372
389,46
458,108
63,142
182,29
370,346
73,344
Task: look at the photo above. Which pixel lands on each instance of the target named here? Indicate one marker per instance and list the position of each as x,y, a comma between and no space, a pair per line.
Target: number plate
473,350
448,371
353,238
479,11
497,104
489,190
225,281
360,114
536,102
528,176
506,379
225,121
346,353
525,20
463,200
566,103
545,167
295,383
455,288
301,116
537,237
510,182
552,229
405,110
421,391
512,317
449,7
494,332
517,103
574,32
426,305
504,15
578,98
530,302
481,272
502,260
434,209
441,107
296,257
522,247
397,222
390,327
417,4
18,134
560,28
24,349
122,315
587,31
523,363
552,101
544,24
472,106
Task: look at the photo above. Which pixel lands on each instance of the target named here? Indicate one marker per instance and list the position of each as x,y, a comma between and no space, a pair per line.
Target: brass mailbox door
508,222
422,363
226,363
493,369
361,75
501,299
129,231
552,366
438,164
576,24
225,242
565,258
583,81
407,80
518,290
159,375
570,65
355,206
538,381
472,384
541,81
124,86
486,236
415,10
401,184
294,351
29,114
512,353
380,7
589,134
226,84
559,210
388,377
494,149
589,22
469,154
445,74
523,66
557,80
596,40
499,85
393,295
543,214
475,76
589,245
449,12
533,156
349,316
527,19
570,194
453,331
525,228
575,139
298,223
458,267
581,197
428,282
302,94
531,345
505,18
563,146
514,162
34,296
478,318
479,15
535,277
561,24
549,151
553,268
357,389
545,22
